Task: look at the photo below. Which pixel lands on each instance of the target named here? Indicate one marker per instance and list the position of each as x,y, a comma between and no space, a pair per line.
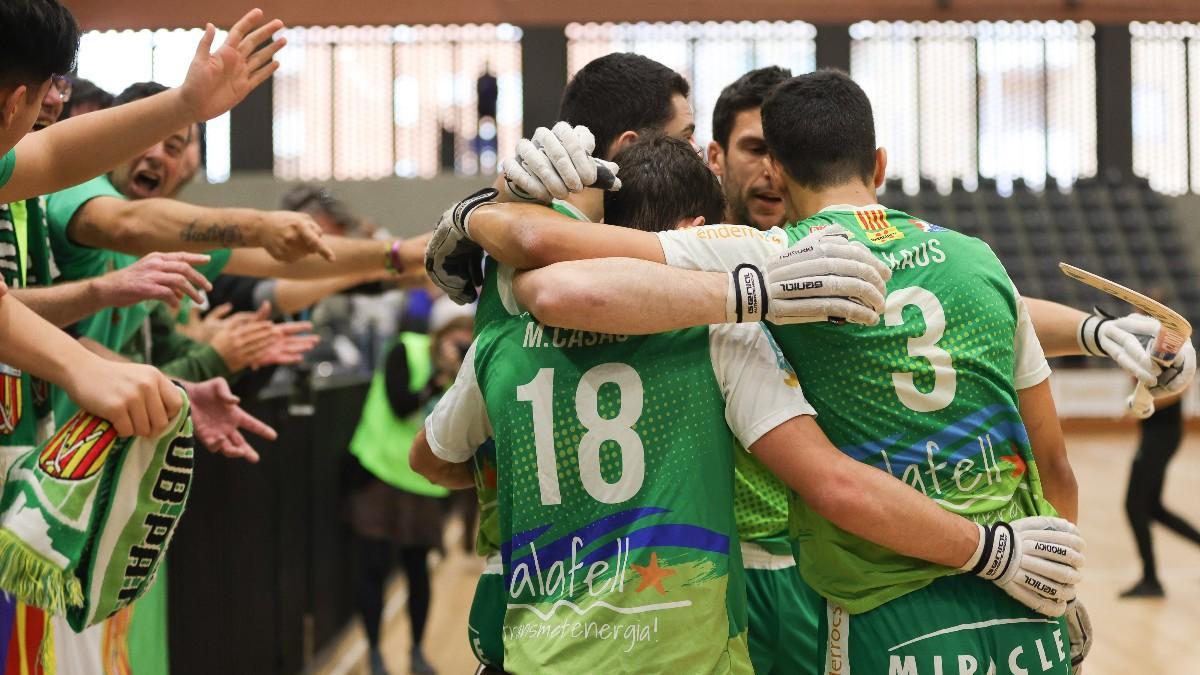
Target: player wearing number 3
615,475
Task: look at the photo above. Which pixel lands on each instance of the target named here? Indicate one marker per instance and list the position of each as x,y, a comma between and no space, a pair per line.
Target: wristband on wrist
393,260
747,300
1089,334
994,554
462,210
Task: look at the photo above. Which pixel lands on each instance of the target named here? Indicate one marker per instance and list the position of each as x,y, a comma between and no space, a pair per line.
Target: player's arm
525,236
139,227
1049,449
350,256
766,410
614,295
75,150
812,281
862,499
452,475
166,277
1065,331
137,399
1031,378
459,424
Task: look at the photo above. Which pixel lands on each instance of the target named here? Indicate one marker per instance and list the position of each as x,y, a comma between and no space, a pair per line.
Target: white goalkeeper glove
453,261
1127,341
555,163
1035,560
822,277
1079,630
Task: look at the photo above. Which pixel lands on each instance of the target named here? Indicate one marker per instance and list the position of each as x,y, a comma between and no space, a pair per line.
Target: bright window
959,100
1166,112
370,102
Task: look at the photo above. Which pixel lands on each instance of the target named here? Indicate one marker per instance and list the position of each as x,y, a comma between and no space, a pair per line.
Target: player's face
52,107
751,196
682,124
158,171
20,111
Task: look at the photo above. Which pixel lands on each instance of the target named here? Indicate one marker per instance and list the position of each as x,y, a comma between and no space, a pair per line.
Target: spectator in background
393,506
53,102
85,97
1161,434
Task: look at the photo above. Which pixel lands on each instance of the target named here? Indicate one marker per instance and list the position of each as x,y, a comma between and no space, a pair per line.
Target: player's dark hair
138,91
663,181
819,126
746,93
38,38
83,93
618,93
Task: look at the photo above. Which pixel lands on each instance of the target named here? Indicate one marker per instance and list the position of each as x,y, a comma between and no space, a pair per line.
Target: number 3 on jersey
540,393
945,380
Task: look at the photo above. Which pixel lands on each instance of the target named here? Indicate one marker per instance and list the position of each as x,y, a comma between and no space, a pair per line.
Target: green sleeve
7,162
200,364
74,260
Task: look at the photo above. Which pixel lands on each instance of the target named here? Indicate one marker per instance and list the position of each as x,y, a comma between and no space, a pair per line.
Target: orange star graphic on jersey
1018,464
652,575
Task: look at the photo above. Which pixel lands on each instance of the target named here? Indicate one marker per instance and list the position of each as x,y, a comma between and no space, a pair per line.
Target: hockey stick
1174,333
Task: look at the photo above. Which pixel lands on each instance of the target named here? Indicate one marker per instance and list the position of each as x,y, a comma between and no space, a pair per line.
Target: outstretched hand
289,346
217,420
217,81
167,277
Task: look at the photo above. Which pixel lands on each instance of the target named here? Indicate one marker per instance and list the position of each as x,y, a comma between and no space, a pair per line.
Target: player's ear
880,166
626,138
716,159
12,104
691,222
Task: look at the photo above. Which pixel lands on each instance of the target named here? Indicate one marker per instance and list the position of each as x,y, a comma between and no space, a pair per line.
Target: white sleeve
459,423
504,287
760,388
1029,367
720,248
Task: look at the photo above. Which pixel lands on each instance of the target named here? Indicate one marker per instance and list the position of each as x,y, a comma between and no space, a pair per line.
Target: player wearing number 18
615,476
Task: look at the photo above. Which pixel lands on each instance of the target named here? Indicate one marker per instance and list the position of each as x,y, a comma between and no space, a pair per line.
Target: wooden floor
1133,637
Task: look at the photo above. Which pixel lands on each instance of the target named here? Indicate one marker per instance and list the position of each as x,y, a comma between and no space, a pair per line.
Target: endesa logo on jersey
876,226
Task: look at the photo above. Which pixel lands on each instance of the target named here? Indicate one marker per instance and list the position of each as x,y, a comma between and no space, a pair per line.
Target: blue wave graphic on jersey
900,458
561,547
677,535
670,534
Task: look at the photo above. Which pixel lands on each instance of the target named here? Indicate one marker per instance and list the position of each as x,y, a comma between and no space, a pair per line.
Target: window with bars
116,59
1166,109
710,55
961,100
370,102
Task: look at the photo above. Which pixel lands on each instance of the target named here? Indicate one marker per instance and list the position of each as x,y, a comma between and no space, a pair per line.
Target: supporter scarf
86,517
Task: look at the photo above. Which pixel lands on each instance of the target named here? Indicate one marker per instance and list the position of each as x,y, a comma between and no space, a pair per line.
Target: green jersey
496,303
7,162
928,395
111,327
615,479
26,417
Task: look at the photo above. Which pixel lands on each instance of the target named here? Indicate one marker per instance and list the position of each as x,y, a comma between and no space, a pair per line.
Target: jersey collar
852,208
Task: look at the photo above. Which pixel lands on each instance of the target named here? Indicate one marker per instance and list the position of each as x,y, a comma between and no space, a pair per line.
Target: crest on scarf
79,448
11,399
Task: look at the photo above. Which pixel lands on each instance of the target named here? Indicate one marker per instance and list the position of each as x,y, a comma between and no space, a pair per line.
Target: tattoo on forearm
225,235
